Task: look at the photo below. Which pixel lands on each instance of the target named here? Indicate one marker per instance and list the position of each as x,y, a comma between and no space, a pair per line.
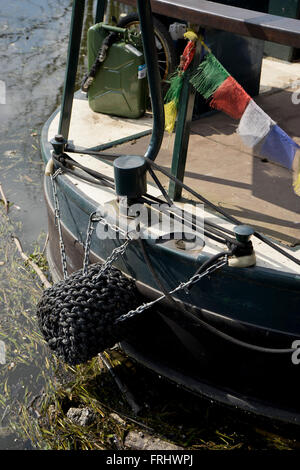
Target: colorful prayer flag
230,98
256,128
173,95
209,76
279,147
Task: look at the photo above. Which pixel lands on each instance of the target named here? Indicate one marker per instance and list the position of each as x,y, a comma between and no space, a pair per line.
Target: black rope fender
77,315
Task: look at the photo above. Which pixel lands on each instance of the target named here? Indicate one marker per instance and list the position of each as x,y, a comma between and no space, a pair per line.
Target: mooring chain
95,217
87,248
58,222
119,251
182,286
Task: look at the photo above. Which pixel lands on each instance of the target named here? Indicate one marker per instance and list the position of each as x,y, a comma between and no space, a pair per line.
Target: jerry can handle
128,37
114,29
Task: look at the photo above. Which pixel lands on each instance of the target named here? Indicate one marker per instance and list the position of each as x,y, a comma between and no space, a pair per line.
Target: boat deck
224,171
219,166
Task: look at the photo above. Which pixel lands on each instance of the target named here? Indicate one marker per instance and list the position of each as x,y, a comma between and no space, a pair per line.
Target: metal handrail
72,65
146,21
232,19
154,79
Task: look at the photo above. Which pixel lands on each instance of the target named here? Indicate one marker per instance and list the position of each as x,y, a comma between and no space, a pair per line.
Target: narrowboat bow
216,308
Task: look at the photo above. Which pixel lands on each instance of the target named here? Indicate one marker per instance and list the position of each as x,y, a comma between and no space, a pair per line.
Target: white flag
255,124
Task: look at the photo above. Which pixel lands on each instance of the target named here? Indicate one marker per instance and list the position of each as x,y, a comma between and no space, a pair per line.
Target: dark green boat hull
255,305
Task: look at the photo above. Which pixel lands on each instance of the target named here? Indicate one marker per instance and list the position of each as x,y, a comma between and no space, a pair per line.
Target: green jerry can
120,85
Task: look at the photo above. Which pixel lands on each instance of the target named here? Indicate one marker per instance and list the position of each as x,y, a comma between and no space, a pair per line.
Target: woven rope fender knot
77,316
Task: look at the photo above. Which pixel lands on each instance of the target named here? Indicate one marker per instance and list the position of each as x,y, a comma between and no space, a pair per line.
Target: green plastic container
120,86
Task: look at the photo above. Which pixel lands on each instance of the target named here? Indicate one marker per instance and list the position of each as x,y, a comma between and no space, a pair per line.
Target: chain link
181,286
94,217
58,223
118,251
87,247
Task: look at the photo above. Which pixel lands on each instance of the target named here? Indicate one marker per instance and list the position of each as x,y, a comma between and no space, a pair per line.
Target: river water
33,40
33,45
33,51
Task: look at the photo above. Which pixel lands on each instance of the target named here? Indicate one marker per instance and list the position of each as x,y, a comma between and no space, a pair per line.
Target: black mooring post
154,79
72,64
100,10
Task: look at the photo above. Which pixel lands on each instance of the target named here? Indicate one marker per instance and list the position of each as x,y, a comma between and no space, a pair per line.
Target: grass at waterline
167,412
37,390
23,374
